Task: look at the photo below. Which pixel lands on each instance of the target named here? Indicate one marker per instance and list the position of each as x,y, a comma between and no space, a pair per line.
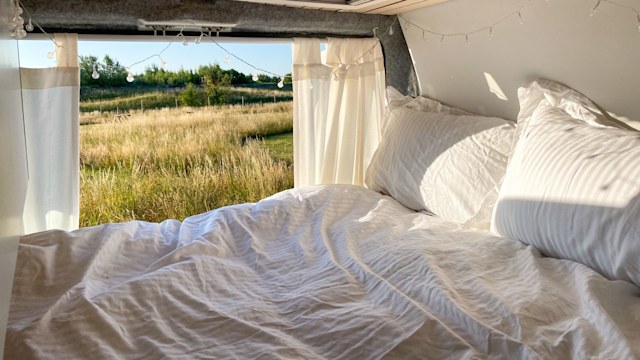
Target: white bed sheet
327,272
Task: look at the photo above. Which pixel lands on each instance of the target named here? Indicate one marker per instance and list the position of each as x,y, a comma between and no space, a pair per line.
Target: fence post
274,98
208,101
176,98
242,101
141,106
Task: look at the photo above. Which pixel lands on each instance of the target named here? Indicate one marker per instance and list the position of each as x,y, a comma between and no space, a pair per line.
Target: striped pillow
448,164
572,190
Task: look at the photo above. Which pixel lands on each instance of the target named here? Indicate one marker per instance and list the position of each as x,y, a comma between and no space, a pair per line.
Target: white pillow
450,165
572,190
395,99
572,102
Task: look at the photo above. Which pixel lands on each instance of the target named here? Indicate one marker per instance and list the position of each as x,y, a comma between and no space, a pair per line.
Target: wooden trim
386,7
410,5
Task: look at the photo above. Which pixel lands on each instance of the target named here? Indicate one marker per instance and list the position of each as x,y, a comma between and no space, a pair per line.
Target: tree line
113,74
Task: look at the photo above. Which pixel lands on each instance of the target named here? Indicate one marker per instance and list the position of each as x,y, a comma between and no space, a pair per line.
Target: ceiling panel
387,7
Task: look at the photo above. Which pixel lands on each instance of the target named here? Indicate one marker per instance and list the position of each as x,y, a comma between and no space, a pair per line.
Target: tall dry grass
172,163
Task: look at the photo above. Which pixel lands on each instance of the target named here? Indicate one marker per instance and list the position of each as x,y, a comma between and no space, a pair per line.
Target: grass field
172,163
117,99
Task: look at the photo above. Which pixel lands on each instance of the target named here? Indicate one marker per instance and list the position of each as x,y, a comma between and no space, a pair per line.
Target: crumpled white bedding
327,272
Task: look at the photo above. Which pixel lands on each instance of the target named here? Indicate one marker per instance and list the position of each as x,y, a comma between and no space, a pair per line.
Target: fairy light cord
515,14
210,38
342,67
442,35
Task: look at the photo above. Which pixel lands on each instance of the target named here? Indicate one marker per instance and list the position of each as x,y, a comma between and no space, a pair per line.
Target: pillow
572,190
572,102
395,99
450,165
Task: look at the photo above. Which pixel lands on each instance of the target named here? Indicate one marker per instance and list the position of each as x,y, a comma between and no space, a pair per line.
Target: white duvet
328,272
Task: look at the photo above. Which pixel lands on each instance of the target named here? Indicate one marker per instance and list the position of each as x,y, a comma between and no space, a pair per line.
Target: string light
342,68
466,35
518,13
595,8
163,63
95,75
17,23
130,77
19,30
29,26
198,40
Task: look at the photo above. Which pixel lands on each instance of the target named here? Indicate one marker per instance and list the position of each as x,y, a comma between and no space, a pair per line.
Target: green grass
173,163
280,147
136,99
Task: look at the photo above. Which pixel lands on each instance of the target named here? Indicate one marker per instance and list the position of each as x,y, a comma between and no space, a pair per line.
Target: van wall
13,170
597,55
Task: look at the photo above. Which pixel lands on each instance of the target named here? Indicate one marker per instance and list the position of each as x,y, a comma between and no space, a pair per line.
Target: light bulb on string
491,33
520,20
29,26
227,59
129,76
95,75
254,76
467,42
163,64
198,40
185,42
391,30
595,9
441,43
281,83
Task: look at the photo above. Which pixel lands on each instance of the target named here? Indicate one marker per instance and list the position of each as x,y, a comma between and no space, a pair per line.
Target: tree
217,89
190,96
111,72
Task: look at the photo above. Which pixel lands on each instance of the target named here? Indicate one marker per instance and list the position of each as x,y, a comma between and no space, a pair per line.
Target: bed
348,272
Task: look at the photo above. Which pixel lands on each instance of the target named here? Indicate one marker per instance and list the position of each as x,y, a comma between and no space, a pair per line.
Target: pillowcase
570,101
395,99
450,165
572,190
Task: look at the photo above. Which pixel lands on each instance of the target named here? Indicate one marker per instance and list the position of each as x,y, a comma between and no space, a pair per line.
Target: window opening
195,130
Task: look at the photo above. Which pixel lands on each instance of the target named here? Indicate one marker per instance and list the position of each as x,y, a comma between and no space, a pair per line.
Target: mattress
325,272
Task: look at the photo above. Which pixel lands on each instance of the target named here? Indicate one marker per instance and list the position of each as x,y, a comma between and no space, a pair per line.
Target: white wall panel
597,55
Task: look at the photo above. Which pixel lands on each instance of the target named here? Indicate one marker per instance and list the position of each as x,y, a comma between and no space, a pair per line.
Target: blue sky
273,57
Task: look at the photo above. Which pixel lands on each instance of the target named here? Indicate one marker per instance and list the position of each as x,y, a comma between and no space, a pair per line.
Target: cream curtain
51,114
338,109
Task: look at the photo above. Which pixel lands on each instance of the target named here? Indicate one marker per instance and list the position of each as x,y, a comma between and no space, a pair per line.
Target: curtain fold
338,109
51,103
